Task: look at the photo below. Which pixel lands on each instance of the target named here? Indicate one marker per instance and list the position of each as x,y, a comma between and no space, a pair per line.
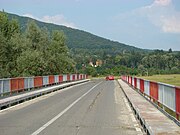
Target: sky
147,24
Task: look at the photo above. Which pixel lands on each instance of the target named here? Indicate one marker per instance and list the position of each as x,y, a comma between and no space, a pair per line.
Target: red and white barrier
165,94
12,85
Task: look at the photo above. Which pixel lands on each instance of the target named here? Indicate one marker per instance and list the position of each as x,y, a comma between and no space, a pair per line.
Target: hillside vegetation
78,39
37,48
32,52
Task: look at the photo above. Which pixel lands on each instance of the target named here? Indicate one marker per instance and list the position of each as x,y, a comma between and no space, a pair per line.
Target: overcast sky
148,24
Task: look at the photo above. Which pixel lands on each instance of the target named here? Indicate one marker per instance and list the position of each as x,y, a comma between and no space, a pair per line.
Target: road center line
61,113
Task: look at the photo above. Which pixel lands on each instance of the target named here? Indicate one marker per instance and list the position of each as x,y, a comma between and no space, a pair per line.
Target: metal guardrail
164,95
8,86
152,120
13,100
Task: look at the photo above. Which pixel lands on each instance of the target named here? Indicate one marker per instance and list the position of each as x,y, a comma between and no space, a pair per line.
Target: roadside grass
173,79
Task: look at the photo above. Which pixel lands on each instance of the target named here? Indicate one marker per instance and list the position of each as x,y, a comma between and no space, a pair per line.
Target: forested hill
78,40
36,48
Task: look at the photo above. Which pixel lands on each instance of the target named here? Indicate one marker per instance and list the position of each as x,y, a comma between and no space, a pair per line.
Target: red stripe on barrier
38,81
142,85
21,83
73,77
135,82
131,80
60,78
178,100
16,84
51,79
68,77
154,90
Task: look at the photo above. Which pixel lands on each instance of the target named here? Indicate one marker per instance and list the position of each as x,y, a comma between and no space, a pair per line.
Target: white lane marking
61,113
29,102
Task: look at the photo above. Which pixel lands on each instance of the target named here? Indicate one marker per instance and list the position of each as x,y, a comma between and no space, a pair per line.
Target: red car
110,77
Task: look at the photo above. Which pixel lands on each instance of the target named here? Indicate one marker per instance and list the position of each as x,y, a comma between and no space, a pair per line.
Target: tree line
136,63
32,52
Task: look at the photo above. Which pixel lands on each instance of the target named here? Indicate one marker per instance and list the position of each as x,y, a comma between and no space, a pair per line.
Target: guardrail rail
163,95
8,86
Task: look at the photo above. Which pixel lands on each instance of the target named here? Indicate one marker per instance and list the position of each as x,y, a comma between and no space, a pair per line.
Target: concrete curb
137,114
150,126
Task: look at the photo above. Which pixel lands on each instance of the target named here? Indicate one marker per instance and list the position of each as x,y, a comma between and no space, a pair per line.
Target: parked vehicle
110,77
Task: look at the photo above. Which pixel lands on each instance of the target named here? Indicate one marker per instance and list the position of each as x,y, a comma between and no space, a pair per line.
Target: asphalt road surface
98,107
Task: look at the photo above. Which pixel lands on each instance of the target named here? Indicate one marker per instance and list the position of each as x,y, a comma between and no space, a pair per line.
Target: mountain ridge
80,39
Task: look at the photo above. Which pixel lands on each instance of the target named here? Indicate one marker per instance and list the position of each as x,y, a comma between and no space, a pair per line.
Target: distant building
91,64
99,63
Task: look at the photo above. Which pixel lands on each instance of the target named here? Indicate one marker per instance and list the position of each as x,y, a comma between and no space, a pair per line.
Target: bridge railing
164,95
15,85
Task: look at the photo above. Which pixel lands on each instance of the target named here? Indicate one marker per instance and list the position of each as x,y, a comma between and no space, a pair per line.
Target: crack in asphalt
94,101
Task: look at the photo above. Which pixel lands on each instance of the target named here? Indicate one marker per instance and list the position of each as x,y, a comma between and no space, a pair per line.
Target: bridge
75,105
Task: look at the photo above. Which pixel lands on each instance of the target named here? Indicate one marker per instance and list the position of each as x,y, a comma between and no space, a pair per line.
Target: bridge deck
155,122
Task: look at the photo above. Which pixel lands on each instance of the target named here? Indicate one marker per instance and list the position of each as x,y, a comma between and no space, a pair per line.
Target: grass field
173,79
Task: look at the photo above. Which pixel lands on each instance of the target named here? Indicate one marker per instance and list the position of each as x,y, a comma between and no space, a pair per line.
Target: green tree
30,63
59,59
58,44
33,35
10,44
91,71
4,24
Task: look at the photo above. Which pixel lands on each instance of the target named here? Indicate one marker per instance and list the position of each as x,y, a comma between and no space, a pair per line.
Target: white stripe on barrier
138,83
56,78
45,80
64,78
146,88
167,96
133,81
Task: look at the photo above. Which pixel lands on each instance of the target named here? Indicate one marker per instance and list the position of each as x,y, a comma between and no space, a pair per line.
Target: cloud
171,24
30,16
162,2
56,19
162,14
